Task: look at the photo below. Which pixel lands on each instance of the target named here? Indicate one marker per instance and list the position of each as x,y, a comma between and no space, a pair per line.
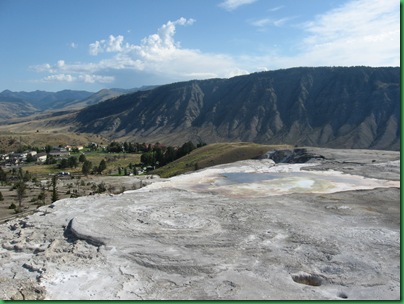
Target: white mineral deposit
327,229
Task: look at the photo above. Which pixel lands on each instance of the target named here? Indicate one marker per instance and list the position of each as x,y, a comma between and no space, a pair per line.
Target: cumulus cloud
46,67
95,47
231,5
158,54
87,78
154,44
113,44
60,63
78,72
60,77
359,32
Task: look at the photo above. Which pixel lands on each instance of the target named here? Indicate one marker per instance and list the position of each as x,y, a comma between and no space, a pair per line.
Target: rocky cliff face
346,107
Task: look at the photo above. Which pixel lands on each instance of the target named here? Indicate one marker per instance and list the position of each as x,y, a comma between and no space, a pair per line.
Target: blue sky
93,44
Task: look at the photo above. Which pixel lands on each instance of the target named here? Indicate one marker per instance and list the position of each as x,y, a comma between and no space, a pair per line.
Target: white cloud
87,78
60,63
363,32
231,5
261,22
114,44
264,22
46,67
360,32
96,47
158,54
277,8
163,39
60,77
73,45
282,21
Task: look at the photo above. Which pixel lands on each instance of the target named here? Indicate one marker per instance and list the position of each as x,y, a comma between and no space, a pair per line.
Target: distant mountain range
39,100
21,104
342,107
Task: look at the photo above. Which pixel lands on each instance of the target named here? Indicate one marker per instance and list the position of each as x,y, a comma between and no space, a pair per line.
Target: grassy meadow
215,154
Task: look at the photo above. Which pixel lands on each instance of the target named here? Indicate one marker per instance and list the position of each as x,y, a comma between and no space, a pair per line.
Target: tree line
155,155
162,155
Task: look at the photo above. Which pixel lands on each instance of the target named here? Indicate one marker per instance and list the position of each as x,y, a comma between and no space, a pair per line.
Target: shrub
101,188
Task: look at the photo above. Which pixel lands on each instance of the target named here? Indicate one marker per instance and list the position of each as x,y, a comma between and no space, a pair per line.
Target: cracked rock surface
247,230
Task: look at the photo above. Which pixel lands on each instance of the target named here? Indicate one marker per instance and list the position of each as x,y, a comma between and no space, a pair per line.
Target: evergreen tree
72,161
170,155
82,158
148,158
102,166
115,147
159,156
20,187
186,148
20,174
125,147
55,195
64,163
87,165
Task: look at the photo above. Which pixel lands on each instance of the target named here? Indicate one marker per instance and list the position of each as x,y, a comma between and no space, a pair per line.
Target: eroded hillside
352,107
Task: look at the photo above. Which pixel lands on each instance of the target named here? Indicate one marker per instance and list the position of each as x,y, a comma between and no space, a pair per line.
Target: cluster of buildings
16,159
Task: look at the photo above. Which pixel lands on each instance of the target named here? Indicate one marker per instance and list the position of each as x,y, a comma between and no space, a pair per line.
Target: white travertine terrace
246,230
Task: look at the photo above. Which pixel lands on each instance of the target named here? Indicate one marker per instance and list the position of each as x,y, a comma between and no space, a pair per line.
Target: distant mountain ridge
344,107
104,95
44,100
21,104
